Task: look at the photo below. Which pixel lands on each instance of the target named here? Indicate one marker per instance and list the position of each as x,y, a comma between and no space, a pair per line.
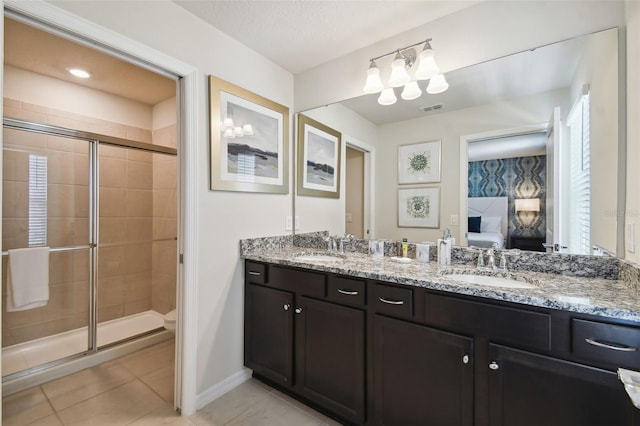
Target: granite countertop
595,296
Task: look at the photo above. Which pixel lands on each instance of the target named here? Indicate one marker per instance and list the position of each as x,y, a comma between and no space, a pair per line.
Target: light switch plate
454,219
288,223
348,217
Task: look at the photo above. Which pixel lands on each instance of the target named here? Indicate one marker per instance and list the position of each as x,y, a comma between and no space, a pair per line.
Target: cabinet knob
494,365
286,307
465,359
298,310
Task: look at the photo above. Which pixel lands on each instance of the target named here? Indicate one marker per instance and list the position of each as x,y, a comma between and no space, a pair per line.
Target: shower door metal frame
94,140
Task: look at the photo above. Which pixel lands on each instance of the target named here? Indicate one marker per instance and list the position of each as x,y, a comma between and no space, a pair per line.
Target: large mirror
531,139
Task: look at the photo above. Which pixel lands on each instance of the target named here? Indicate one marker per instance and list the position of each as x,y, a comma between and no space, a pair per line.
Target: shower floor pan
24,356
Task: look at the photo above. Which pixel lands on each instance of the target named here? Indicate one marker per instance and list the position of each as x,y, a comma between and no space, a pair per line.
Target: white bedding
485,239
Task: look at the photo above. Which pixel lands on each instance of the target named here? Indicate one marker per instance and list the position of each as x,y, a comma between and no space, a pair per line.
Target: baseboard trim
220,388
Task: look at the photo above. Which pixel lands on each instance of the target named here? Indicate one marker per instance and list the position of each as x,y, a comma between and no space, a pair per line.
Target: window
37,200
580,177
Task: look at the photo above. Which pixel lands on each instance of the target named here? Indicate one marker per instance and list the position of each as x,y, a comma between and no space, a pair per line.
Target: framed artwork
319,149
249,140
419,162
419,208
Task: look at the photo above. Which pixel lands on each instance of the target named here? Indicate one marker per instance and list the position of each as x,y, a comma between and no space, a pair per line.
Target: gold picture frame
319,151
249,140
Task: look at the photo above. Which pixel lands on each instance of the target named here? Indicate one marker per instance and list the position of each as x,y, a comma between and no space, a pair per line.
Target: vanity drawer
500,324
347,290
613,345
305,283
255,272
394,301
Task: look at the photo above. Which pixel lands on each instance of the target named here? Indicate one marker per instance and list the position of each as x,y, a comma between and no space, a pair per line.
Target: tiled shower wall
134,185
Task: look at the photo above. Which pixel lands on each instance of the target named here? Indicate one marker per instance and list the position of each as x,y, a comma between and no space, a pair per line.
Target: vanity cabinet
527,389
298,339
379,353
422,376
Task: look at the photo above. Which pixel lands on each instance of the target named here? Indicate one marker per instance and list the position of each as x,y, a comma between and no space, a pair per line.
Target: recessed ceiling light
78,72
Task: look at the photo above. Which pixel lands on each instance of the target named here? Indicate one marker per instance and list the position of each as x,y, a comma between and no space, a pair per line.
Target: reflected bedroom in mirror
528,153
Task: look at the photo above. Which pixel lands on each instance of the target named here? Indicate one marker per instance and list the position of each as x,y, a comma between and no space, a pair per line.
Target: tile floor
137,390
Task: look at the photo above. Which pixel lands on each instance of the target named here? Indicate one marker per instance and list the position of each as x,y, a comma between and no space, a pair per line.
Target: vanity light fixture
404,59
79,72
231,131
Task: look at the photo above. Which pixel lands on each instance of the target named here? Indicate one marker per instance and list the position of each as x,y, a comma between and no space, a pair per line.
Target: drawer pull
298,311
615,347
494,365
465,359
254,273
391,302
347,292
286,307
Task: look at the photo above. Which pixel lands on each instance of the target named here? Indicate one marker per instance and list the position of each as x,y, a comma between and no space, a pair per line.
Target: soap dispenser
444,248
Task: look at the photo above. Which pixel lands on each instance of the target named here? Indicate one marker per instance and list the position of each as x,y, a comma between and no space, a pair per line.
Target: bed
488,215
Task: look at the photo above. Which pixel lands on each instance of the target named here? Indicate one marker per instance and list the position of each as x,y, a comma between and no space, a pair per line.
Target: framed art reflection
319,150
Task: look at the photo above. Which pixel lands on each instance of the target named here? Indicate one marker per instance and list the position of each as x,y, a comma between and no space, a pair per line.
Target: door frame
186,304
465,140
369,182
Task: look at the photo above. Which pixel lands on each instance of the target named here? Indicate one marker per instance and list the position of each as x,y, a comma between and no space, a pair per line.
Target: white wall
488,30
350,125
447,127
223,217
632,214
59,94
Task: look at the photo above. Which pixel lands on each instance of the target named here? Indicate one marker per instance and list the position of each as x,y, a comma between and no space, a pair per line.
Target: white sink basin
316,258
491,281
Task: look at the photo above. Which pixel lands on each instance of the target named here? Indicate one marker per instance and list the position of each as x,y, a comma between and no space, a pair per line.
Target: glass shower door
45,204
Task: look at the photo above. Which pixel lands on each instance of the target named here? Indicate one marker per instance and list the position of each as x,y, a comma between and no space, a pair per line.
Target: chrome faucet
348,238
491,259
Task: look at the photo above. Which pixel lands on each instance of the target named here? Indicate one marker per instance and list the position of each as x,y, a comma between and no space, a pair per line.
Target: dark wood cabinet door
422,376
330,356
527,389
269,333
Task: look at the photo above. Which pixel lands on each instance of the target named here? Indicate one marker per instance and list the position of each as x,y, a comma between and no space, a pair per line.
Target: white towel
28,279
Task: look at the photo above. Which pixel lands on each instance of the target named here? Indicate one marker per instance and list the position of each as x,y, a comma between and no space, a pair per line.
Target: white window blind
37,200
580,177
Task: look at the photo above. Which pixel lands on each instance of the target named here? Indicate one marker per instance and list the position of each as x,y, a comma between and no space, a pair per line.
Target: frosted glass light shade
229,134
373,83
399,75
528,205
387,97
437,84
411,91
238,132
427,67
227,123
247,130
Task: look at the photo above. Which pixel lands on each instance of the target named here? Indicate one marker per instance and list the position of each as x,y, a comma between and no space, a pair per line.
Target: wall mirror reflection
537,131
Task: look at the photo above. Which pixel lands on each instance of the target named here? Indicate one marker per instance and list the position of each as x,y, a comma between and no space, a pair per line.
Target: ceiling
301,34
38,51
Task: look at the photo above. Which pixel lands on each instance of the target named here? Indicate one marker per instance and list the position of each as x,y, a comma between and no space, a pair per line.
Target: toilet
170,321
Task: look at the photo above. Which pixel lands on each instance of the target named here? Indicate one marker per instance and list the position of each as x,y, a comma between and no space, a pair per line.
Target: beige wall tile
15,165
15,199
165,204
67,232
139,203
139,175
112,151
112,172
112,202
81,265
61,167
61,302
11,103
111,261
165,228
110,312
43,329
61,200
139,155
165,176
81,169
117,130
81,201
61,267
113,230
59,143
137,306
166,136
139,228
111,292
15,233
18,319
138,258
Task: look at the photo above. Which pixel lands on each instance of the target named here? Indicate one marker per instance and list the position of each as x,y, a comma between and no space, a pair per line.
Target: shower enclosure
107,210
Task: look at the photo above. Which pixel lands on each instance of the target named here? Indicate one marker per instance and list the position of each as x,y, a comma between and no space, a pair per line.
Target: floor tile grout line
48,402
249,408
301,410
